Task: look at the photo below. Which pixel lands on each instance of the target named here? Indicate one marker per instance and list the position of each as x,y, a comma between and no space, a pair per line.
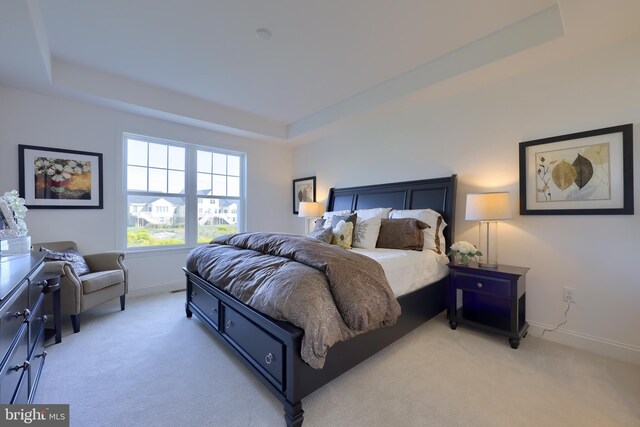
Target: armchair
107,280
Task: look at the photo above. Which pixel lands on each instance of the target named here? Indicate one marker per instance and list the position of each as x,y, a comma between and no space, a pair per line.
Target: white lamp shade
488,206
310,210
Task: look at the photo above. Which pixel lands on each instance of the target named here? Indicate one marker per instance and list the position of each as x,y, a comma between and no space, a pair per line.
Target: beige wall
475,134
34,119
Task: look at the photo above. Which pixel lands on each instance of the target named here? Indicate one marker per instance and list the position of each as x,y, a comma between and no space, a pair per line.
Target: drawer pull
44,318
268,358
41,283
43,354
24,366
193,294
25,313
229,324
213,311
479,284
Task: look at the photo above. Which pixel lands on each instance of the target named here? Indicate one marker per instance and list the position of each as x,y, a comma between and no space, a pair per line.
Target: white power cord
559,324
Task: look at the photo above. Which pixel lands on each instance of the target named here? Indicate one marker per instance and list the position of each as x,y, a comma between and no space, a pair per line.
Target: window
180,194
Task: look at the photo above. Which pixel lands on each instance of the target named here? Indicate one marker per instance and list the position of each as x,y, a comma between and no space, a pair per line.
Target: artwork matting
54,178
304,190
584,173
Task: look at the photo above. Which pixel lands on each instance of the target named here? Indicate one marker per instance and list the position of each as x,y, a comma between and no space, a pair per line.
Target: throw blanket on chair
331,293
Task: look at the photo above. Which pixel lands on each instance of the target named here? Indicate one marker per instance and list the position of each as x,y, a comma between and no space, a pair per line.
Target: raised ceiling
199,61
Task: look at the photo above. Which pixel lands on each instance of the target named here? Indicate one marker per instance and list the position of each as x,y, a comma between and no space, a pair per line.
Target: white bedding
407,271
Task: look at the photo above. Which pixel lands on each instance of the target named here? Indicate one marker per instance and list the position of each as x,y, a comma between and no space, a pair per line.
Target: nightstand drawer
484,284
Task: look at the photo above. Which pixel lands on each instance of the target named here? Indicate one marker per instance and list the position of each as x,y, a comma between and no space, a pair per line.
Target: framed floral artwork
585,173
53,178
304,190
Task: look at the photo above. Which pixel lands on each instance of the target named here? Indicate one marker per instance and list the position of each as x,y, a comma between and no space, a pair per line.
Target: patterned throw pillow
365,235
402,233
71,256
342,234
323,234
433,236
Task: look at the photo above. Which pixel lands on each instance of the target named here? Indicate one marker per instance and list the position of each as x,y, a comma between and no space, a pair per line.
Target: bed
271,349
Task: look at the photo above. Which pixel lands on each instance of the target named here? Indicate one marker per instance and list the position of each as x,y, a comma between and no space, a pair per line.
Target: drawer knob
43,354
25,313
479,284
44,318
214,311
193,294
24,366
229,323
268,358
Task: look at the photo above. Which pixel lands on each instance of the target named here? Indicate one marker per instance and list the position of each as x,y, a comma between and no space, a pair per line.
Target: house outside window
180,194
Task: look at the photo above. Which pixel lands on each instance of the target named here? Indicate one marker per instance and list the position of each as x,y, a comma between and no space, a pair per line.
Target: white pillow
382,213
366,232
342,234
434,236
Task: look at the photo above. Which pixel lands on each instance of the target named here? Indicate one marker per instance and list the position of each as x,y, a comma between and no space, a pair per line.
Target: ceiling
199,62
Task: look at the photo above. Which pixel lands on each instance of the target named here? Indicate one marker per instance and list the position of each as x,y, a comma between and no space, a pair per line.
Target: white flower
16,204
464,248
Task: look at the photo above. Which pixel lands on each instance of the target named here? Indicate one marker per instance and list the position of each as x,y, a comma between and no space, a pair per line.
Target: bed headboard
438,194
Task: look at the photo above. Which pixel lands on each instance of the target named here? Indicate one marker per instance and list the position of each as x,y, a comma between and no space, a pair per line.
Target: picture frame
584,173
304,190
55,178
8,226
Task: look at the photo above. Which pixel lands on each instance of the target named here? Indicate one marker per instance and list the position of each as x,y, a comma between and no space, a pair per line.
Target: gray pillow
404,233
71,256
323,234
352,218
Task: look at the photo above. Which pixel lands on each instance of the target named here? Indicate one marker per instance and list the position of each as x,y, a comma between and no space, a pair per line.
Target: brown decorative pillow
71,256
404,233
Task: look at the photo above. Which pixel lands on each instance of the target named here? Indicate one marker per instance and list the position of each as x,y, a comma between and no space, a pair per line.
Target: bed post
293,414
186,304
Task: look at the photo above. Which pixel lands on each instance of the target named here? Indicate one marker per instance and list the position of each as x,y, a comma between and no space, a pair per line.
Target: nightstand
489,298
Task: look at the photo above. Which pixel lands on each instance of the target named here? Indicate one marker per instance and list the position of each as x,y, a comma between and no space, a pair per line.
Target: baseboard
615,350
157,289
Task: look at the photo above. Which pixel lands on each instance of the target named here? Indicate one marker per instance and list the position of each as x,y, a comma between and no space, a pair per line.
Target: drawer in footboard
264,351
206,303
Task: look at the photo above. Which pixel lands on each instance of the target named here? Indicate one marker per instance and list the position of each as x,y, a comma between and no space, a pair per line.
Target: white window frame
191,195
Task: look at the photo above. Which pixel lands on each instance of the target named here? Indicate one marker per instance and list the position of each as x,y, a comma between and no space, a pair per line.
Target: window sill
159,251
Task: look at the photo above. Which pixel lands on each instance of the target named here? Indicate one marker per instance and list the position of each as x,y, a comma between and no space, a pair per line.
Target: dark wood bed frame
271,349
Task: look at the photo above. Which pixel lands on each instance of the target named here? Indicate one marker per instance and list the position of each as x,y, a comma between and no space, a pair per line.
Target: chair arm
113,260
71,285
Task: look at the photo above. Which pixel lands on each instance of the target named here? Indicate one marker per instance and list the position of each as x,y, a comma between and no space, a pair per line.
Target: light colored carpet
151,366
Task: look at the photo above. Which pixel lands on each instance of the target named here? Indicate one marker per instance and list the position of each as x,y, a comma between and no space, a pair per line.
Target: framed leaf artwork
584,173
304,190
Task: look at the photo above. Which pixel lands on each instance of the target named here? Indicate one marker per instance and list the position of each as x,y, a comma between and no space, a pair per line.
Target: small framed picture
304,190
54,178
585,173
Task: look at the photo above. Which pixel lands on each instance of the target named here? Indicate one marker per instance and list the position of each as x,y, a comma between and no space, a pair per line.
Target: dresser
22,322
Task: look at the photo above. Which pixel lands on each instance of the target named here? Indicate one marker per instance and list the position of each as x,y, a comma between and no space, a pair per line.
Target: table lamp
487,208
310,211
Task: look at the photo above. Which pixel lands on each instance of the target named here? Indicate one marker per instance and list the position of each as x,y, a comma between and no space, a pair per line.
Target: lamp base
488,265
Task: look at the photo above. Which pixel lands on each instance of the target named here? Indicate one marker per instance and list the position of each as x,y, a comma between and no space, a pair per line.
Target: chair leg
75,322
122,302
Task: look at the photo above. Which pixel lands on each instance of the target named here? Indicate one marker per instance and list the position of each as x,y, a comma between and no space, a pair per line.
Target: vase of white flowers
463,252
13,228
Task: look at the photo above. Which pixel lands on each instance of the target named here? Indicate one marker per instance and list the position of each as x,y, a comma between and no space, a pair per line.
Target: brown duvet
331,293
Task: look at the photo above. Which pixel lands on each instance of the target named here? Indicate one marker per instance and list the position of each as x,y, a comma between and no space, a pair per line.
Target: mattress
408,271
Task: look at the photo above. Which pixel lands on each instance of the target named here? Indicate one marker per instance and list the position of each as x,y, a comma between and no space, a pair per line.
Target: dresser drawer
263,350
206,303
14,369
36,322
12,317
483,284
38,355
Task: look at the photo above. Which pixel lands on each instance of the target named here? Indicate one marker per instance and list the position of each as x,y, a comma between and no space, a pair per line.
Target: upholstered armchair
107,279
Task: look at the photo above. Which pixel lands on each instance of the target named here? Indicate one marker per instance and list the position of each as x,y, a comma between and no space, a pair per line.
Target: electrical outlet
569,294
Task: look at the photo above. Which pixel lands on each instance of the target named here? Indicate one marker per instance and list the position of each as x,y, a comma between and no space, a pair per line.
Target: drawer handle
25,313
268,358
229,324
214,311
41,283
193,294
24,366
479,284
43,354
